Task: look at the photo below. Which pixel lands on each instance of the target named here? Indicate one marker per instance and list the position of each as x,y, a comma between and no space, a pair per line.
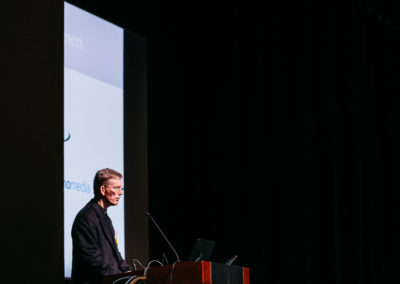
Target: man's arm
123,265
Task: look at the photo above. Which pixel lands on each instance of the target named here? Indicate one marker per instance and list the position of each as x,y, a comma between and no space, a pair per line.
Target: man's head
107,187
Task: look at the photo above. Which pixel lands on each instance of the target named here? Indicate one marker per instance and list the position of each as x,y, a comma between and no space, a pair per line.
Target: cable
125,277
134,264
148,266
172,269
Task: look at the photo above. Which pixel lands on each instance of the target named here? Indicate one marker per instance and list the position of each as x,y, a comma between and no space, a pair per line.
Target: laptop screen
202,250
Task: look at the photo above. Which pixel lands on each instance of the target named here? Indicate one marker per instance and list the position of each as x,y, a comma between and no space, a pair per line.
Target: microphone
151,218
199,258
231,260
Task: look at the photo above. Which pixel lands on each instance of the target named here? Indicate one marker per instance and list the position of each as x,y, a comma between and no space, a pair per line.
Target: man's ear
103,190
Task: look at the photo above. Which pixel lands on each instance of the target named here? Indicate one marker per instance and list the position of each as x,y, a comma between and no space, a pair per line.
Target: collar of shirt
102,209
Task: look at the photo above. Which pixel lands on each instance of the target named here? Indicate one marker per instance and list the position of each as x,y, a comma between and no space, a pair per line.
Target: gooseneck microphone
154,222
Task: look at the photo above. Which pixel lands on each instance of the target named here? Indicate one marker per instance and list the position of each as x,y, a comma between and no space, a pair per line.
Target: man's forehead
114,180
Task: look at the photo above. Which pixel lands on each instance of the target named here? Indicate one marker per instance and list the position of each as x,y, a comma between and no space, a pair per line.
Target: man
95,252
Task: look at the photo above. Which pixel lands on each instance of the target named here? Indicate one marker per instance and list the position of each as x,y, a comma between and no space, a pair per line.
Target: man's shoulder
90,211
87,220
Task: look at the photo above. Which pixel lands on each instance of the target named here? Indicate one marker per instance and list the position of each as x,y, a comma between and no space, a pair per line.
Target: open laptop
202,250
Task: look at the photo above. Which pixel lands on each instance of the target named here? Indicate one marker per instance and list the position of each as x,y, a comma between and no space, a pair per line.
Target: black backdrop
272,130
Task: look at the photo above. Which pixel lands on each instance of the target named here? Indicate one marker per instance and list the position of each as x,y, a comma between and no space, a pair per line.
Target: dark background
272,130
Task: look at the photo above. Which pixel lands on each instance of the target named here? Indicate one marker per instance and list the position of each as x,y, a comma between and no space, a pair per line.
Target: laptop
202,250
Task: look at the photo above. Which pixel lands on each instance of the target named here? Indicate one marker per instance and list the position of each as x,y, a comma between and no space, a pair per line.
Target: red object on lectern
202,272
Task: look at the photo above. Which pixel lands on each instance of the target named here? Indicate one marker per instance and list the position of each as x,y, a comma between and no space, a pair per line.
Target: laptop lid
202,250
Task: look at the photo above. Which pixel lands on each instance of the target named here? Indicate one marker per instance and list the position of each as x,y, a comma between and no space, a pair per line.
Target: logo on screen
67,135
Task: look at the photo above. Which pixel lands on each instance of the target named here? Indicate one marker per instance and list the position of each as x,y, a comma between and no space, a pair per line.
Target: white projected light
93,114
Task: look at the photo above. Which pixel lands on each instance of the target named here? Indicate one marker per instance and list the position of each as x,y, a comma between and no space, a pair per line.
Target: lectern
201,272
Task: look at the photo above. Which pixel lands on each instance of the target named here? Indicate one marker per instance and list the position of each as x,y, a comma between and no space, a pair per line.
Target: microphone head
147,214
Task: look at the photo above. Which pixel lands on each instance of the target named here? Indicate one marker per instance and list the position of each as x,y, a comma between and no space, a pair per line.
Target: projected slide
93,114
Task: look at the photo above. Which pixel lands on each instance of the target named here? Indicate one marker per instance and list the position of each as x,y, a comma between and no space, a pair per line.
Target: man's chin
113,203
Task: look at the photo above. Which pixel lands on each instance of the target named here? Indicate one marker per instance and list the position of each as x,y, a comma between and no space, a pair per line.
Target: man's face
112,191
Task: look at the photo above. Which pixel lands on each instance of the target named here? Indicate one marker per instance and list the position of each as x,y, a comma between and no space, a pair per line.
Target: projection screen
93,114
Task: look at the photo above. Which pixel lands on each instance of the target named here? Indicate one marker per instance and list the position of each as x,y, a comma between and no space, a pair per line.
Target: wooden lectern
202,272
